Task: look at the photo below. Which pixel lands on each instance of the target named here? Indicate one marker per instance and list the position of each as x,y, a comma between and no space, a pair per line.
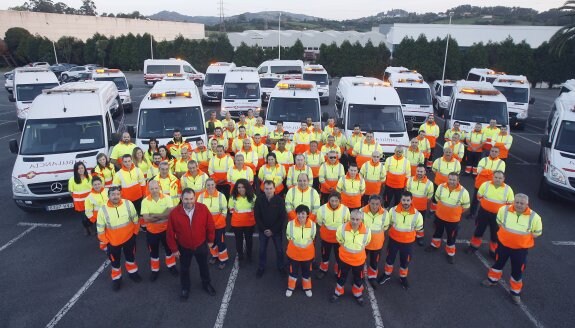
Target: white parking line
522,137
31,226
227,295
563,243
10,135
77,296
7,122
503,284
41,225
15,239
231,234
373,301
524,162
534,126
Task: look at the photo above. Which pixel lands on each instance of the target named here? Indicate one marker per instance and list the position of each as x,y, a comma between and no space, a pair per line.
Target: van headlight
556,175
522,115
18,187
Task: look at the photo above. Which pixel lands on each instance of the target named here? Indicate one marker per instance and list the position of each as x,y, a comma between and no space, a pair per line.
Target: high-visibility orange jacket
443,167
314,161
80,191
329,219
404,224
492,198
94,202
398,171
242,212
351,190
352,243
301,240
485,169
217,205
116,224
422,192
374,175
451,202
132,182
329,175
431,132
518,230
377,223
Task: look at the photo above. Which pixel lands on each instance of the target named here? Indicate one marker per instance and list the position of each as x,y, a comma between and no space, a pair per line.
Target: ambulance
214,83
28,84
517,90
567,86
483,75
69,123
476,102
286,69
173,103
415,95
319,75
292,102
268,83
119,79
441,93
558,150
156,69
241,92
390,70
375,106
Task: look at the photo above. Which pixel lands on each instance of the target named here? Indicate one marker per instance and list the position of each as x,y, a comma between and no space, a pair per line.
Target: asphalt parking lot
53,275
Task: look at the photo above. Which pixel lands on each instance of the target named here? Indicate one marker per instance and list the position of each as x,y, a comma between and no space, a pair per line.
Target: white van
119,79
66,124
483,75
375,106
476,102
286,69
390,70
558,150
241,92
441,91
319,75
292,102
517,90
214,82
156,69
567,86
173,103
268,83
415,95
28,84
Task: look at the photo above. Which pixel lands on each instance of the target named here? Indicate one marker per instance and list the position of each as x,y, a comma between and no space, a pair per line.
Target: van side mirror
324,117
130,86
11,98
531,101
13,144
545,142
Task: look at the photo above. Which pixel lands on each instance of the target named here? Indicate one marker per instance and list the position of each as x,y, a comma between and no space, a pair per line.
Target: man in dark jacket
190,232
270,213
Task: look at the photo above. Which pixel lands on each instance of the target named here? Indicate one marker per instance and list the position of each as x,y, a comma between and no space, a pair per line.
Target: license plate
59,207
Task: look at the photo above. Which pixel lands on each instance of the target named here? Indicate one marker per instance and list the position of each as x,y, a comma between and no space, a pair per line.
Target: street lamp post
53,47
280,37
447,46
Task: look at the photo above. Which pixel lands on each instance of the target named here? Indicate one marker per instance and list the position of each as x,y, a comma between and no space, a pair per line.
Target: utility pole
280,36
446,46
222,17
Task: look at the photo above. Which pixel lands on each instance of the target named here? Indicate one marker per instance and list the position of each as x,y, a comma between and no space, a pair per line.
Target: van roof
295,89
176,86
395,69
409,80
220,67
566,102
475,90
165,61
485,72
99,72
517,81
368,90
242,74
282,62
569,84
314,69
34,75
445,82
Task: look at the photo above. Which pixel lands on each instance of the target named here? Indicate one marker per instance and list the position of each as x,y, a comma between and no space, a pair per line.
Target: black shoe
373,283
184,295
420,241
174,271
154,276
470,250
360,301
259,273
450,259
404,283
430,249
210,289
383,279
334,298
135,277
320,275
116,285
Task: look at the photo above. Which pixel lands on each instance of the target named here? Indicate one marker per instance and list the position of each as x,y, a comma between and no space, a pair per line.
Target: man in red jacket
190,233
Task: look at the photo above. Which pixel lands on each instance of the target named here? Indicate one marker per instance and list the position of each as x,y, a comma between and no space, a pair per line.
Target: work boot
515,299
383,279
430,249
308,293
320,275
470,250
404,283
116,284
289,292
488,283
373,283
420,241
135,277
334,298
154,276
359,300
174,271
450,259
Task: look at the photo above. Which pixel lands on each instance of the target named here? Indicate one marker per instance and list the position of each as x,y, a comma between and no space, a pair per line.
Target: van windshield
286,70
376,118
293,109
518,95
214,79
319,79
269,83
119,81
477,111
161,122
62,135
162,69
447,89
242,91
566,137
414,96
28,92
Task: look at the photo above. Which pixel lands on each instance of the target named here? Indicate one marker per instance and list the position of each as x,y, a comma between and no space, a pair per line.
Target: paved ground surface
55,276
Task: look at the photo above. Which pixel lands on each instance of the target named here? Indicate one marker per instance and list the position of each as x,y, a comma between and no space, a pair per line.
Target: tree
475,56
14,36
88,8
567,32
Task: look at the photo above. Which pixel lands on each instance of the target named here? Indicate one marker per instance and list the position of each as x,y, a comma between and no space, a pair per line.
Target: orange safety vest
218,209
119,227
242,212
513,237
217,171
486,174
493,205
301,140
399,230
431,133
80,191
349,255
373,186
444,168
396,178
449,212
377,230
500,142
330,182
351,195
132,188
420,199
313,161
301,249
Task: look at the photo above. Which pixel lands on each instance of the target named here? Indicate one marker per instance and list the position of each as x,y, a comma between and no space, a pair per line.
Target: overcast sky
320,8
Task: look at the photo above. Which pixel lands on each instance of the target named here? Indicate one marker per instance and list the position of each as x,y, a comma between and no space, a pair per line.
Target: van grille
45,188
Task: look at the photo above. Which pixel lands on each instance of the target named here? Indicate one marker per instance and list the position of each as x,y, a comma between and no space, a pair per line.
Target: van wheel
544,192
64,77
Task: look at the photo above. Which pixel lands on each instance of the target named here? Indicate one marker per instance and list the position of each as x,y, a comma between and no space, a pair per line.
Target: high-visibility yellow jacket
296,196
234,174
122,149
449,134
106,173
219,167
404,224
170,187
422,192
363,151
80,191
330,219
284,158
314,161
424,146
217,205
458,149
242,212
222,141
377,223
442,168
197,183
415,157
503,143
374,175
295,171
151,206
431,132
329,175
352,243
451,202
518,230
398,171
116,224
301,240
492,198
274,173
351,190
94,202
132,182
485,169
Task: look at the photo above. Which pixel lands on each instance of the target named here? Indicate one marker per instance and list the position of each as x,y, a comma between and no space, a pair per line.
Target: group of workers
312,180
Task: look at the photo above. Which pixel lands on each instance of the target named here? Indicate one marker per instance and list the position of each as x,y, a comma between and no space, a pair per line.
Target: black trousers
138,205
450,229
186,254
391,196
473,158
474,202
224,189
294,268
326,249
404,250
357,272
241,234
486,219
154,240
518,259
115,256
316,184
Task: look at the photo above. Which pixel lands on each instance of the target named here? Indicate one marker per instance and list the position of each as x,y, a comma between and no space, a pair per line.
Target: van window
162,69
189,69
242,91
566,137
263,70
480,111
268,83
550,118
119,81
293,109
415,96
28,92
161,122
473,77
518,95
447,90
564,89
286,69
376,118
215,79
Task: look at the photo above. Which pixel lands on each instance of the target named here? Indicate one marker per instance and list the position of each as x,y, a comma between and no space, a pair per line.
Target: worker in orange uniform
300,194
239,139
431,133
298,168
117,226
519,225
328,129
213,123
489,133
376,219
423,145
124,147
131,180
452,200
331,145
261,129
363,149
96,199
217,205
276,134
404,223
329,174
79,186
300,234
261,149
194,178
272,171
227,120
230,133
218,170
492,196
314,159
445,165
421,189
219,137
485,169
352,188
180,165
289,144
373,172
155,209
201,155
330,216
283,155
503,142
474,149
414,155
177,143
448,136
398,171
251,157
355,138
457,146
239,171
352,237
316,134
301,139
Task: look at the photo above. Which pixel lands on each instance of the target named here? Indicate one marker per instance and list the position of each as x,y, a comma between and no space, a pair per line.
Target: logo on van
56,187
